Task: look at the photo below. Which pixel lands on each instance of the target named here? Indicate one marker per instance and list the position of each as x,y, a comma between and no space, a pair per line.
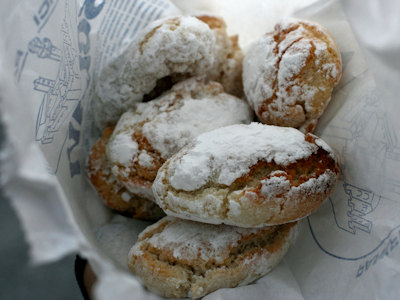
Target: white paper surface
348,249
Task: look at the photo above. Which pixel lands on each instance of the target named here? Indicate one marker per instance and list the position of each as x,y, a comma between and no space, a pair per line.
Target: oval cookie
144,138
289,74
165,52
180,258
247,175
111,191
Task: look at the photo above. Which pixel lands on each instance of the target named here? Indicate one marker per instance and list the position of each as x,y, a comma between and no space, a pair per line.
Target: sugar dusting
182,45
123,149
187,240
126,196
263,14
226,154
170,131
278,185
173,120
145,160
273,66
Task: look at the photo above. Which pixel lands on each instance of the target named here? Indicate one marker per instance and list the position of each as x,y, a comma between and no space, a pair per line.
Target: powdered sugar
174,119
258,66
280,185
167,124
197,258
272,73
145,160
181,45
262,65
122,149
292,61
331,70
126,196
225,154
274,185
317,185
170,131
187,240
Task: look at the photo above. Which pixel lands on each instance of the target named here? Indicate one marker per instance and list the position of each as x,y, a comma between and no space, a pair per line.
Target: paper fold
348,249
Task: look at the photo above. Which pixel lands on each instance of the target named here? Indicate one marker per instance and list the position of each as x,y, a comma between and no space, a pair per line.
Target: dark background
20,280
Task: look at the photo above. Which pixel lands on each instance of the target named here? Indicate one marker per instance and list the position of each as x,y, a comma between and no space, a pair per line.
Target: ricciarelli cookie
289,74
179,258
228,69
248,176
145,137
111,191
167,51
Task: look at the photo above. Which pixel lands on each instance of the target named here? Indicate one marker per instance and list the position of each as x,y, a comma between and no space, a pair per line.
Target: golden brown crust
302,201
300,88
137,176
142,175
111,191
269,193
158,129
297,173
212,22
242,255
229,69
310,75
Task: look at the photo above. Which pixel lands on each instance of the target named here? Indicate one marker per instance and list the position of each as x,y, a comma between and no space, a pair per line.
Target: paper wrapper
51,54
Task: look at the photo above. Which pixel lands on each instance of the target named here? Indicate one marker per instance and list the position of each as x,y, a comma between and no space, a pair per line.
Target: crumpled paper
50,61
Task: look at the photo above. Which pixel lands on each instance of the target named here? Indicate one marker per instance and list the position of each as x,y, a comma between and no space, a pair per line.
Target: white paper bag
51,52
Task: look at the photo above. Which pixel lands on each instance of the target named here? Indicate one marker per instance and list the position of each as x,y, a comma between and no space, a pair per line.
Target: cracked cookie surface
289,74
144,138
111,191
247,175
180,258
228,68
165,52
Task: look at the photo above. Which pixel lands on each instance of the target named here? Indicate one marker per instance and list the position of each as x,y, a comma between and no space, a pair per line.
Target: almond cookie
179,258
144,138
289,74
247,175
228,69
167,51
113,193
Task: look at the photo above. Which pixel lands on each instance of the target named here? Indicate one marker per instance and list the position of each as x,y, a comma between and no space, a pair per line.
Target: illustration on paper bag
370,153
59,93
62,60
360,203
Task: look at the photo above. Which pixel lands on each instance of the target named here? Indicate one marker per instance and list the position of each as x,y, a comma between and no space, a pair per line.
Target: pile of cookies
179,138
